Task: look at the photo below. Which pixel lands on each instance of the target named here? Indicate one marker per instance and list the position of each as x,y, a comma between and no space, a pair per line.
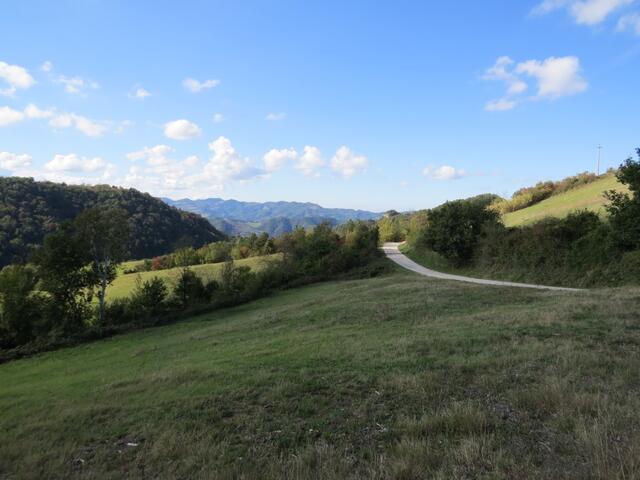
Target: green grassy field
124,284
394,377
589,197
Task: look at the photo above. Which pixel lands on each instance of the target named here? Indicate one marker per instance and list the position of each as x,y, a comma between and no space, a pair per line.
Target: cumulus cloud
46,66
76,85
275,158
195,86
139,93
84,125
181,130
32,111
584,12
14,162
153,155
347,163
8,116
310,160
274,117
16,77
74,163
444,172
630,22
218,118
226,164
554,78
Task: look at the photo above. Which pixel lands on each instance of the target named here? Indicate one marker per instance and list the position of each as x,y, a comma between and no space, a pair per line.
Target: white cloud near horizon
310,161
181,129
73,163
583,12
347,163
16,77
14,162
196,86
444,172
275,158
554,77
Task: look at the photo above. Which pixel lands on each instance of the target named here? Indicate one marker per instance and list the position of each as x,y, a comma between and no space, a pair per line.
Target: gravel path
392,252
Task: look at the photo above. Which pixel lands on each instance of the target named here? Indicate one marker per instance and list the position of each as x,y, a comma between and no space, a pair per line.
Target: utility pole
599,153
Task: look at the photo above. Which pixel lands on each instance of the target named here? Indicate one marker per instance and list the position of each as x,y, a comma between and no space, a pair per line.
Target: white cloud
629,22
31,111
444,172
500,105
76,85
181,130
85,125
226,164
310,160
584,12
140,93
195,86
346,163
153,155
218,118
274,158
191,161
73,163
8,116
274,117
16,77
554,78
46,66
14,162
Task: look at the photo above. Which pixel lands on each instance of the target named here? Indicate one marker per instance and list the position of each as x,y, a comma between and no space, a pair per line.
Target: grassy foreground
124,284
588,197
394,377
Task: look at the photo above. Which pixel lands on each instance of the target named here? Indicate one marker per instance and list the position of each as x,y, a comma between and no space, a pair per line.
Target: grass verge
392,377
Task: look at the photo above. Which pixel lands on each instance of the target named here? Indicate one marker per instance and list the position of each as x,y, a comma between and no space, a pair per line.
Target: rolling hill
589,197
234,217
29,210
395,377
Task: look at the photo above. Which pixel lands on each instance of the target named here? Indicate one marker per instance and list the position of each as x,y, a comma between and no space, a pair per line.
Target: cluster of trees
60,296
235,249
30,210
582,249
528,196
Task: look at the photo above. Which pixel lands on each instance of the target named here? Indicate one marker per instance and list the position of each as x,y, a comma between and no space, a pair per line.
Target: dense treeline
29,210
525,197
236,248
51,301
581,249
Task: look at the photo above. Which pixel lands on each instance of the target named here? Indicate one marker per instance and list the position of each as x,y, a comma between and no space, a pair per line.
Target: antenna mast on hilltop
599,153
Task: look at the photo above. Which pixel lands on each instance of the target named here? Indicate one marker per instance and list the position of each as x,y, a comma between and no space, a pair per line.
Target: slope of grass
589,197
125,283
394,377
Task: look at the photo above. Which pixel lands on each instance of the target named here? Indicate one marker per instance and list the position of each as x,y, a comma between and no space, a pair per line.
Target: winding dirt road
392,252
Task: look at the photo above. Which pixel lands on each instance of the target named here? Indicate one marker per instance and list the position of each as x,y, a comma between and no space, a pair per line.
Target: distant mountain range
234,217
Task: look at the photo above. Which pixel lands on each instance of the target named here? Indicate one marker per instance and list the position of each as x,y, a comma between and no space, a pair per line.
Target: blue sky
360,104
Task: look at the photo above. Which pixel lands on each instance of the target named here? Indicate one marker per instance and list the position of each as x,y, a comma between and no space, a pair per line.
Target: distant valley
234,217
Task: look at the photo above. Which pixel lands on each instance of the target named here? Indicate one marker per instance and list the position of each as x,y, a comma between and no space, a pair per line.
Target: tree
105,235
20,306
454,228
624,210
62,266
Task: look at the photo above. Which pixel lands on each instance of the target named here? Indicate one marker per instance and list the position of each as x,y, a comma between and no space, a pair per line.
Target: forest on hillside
29,210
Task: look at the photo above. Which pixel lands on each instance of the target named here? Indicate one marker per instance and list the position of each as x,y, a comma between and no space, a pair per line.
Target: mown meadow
397,377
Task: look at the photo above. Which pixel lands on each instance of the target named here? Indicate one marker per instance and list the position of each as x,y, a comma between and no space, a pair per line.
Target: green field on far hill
398,377
589,197
124,284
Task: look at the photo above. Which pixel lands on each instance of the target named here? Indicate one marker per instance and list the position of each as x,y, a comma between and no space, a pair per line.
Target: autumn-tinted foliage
29,210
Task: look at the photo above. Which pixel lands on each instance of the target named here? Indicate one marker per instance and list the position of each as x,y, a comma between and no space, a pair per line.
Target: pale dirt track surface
391,251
